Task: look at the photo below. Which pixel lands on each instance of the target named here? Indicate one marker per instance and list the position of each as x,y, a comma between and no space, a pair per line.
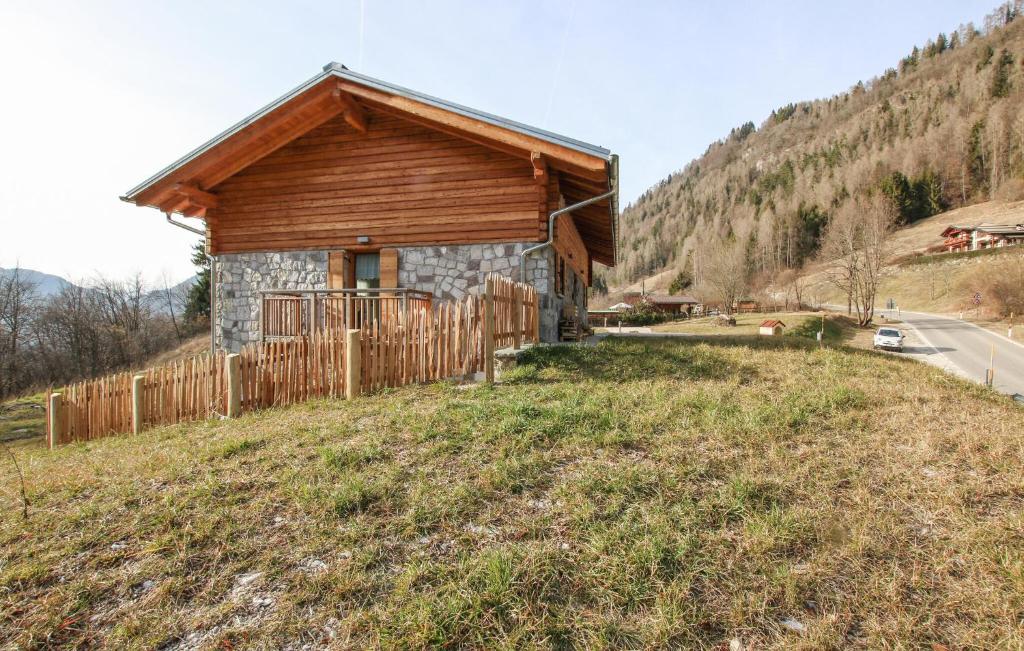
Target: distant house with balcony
348,186
984,236
675,305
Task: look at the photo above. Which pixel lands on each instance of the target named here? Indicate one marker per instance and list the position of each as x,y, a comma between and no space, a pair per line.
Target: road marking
991,332
950,365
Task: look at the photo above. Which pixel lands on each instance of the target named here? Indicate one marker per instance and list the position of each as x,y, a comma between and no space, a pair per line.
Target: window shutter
389,268
336,270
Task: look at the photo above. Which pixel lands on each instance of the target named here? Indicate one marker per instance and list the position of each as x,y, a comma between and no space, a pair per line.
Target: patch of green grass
637,494
242,446
836,329
23,419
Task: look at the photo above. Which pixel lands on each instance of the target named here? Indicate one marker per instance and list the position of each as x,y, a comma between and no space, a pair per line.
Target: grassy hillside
926,233
941,129
636,494
940,283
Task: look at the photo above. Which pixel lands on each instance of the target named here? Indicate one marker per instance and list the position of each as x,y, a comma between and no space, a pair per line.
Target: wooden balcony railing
285,314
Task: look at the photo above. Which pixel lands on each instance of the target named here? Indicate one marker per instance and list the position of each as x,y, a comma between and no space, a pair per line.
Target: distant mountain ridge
942,129
47,285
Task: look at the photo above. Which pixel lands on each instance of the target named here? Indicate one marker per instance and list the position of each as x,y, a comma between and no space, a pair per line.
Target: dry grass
197,345
638,494
941,286
746,324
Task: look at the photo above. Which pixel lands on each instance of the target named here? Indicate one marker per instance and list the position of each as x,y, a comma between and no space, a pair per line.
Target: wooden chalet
985,236
676,305
349,184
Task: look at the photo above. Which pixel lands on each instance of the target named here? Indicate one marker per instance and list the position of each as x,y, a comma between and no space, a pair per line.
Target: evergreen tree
198,304
976,165
1001,75
896,186
928,197
810,223
986,57
682,282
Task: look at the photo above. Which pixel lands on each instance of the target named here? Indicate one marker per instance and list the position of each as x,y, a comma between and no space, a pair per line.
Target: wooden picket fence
515,312
277,373
448,340
424,345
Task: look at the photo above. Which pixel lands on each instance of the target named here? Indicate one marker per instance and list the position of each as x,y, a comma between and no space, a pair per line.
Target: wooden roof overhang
954,230
188,186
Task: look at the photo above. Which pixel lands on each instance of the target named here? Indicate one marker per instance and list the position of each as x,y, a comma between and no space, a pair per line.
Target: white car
889,339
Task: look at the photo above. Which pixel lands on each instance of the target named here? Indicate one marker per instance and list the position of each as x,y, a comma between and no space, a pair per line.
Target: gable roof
184,186
661,299
1016,230
771,323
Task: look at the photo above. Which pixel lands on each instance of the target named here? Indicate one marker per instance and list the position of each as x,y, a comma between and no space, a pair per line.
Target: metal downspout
561,211
213,284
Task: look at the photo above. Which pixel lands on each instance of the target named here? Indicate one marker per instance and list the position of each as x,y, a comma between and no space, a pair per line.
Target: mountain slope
943,129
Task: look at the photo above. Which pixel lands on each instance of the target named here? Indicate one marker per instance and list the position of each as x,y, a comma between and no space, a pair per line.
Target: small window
367,270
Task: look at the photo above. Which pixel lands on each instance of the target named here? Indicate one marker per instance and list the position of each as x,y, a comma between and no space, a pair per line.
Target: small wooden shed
771,327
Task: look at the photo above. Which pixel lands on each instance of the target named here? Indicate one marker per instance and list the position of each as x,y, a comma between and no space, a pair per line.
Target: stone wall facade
241,276
449,272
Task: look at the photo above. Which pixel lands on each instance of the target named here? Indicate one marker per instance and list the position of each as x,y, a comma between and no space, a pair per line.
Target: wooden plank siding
570,246
400,184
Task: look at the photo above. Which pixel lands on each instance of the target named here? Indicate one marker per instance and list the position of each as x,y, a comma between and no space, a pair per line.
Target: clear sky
99,95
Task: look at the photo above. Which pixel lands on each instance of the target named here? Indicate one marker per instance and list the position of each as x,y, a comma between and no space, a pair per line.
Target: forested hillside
941,129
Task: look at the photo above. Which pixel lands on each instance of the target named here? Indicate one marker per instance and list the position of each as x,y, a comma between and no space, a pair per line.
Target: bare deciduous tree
856,244
17,296
724,269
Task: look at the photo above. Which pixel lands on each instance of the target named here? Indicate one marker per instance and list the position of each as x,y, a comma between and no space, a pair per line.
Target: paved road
964,349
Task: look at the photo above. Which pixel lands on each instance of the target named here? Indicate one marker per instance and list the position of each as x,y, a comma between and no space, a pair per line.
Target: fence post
489,330
55,420
517,317
353,363
234,369
536,317
312,314
137,396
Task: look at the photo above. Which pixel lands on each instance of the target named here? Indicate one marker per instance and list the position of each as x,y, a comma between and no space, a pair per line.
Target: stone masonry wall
241,276
449,272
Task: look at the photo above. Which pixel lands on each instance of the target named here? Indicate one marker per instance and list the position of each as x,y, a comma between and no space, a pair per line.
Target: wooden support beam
177,203
196,195
351,112
540,168
199,212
